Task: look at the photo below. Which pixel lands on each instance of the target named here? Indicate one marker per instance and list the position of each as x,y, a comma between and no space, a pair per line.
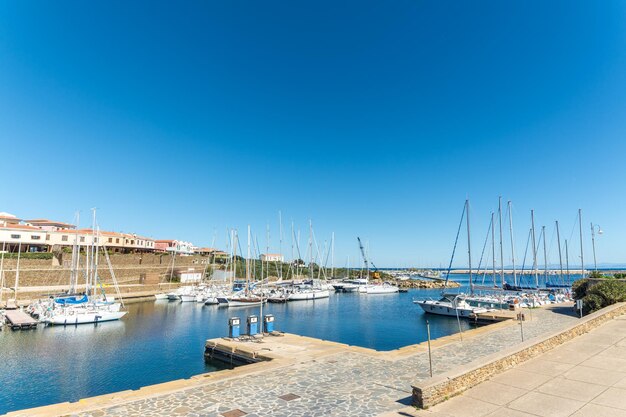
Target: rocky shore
418,283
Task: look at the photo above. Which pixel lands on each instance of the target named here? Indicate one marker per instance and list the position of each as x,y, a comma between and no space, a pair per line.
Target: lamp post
593,242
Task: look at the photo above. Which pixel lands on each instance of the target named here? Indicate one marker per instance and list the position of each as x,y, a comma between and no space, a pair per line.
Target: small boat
385,288
308,294
449,305
161,296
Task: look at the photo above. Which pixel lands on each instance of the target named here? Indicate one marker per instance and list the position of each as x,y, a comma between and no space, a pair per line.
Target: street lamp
593,242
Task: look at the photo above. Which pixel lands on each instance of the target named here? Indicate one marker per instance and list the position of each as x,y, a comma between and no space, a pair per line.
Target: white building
272,257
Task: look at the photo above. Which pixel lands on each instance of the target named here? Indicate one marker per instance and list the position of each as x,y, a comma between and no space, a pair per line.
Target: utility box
233,327
253,325
268,323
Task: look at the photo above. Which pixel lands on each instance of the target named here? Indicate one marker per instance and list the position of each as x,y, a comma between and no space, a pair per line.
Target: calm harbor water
162,341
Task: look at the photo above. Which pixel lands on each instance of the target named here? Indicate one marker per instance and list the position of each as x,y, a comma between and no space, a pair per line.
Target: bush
599,295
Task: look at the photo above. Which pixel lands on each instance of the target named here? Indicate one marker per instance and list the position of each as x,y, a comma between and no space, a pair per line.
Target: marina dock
18,320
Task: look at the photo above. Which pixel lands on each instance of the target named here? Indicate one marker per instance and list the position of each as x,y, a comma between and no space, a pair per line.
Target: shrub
597,295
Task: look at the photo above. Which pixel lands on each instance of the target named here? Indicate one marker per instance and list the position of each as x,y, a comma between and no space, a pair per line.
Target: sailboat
314,290
454,304
96,308
245,297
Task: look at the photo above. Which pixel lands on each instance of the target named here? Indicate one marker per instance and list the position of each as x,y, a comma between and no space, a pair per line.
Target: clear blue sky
374,119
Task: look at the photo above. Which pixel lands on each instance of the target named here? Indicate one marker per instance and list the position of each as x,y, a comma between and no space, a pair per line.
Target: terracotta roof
164,241
51,222
205,250
22,227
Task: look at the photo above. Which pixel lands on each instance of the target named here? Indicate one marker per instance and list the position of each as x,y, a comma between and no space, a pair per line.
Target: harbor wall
435,390
128,269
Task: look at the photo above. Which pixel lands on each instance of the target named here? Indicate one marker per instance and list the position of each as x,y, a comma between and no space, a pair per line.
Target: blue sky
373,119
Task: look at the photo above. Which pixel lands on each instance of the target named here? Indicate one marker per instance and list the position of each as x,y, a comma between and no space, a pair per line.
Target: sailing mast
532,222
469,246
558,241
580,227
545,255
17,271
332,256
512,243
501,247
4,245
493,250
567,262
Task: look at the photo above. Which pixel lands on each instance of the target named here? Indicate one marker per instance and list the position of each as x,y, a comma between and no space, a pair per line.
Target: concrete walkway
585,377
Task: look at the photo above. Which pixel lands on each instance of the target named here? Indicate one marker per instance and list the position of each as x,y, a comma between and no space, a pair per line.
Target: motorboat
450,305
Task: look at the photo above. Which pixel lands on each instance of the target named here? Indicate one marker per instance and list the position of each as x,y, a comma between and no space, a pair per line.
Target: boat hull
313,295
84,318
446,310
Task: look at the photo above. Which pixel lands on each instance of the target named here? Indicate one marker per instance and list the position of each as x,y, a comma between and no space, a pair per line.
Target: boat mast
567,262
545,255
493,249
501,247
512,243
248,264
580,227
75,255
310,249
332,256
532,222
17,271
235,244
558,241
4,245
280,244
469,246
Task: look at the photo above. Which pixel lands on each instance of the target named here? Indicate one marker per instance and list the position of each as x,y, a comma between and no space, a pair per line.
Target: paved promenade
337,381
585,377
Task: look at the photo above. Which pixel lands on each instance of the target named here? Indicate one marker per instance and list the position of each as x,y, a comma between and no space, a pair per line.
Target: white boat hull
188,298
309,295
84,318
160,296
381,289
433,307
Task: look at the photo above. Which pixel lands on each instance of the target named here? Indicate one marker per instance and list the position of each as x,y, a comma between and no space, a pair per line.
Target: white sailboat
93,309
454,304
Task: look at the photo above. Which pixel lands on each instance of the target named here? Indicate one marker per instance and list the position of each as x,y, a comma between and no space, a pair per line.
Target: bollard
233,327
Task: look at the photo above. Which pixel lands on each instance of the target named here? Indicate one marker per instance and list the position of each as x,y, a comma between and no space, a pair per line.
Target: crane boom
364,256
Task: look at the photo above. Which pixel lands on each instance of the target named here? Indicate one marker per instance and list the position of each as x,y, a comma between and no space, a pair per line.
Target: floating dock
18,320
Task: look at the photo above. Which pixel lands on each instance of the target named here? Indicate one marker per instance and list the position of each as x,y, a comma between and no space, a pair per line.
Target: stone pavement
585,377
348,382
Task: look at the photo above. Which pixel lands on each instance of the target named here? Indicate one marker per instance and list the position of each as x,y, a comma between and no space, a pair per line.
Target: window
64,238
15,236
110,240
95,239
132,242
82,238
47,237
117,240
35,237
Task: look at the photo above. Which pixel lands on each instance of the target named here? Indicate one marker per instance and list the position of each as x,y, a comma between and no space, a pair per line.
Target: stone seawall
128,268
434,390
